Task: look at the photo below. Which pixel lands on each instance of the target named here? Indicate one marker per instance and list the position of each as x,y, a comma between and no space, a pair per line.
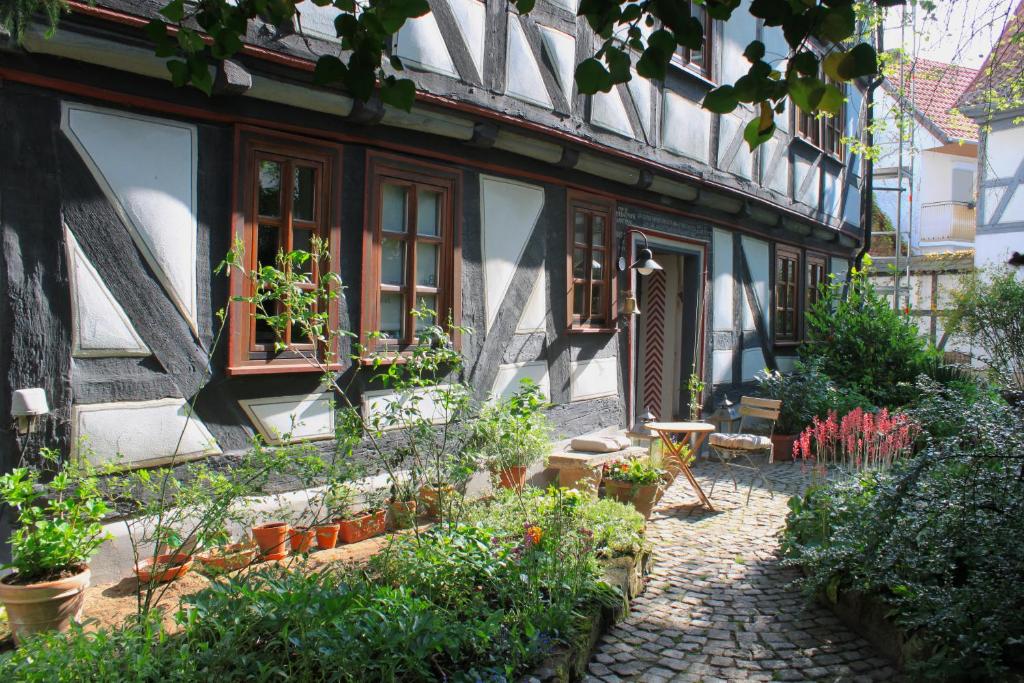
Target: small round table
665,430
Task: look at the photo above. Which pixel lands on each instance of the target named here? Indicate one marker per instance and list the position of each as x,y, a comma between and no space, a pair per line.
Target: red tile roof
935,88
997,85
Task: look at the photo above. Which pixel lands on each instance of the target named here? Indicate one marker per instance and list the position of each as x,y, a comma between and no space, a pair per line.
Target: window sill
591,330
817,148
689,71
277,369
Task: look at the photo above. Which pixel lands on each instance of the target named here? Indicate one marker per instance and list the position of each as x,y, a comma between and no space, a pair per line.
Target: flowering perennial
640,471
860,440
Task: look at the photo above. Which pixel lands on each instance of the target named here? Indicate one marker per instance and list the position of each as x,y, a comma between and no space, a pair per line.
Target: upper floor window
287,194
590,235
698,61
787,287
817,277
411,255
825,132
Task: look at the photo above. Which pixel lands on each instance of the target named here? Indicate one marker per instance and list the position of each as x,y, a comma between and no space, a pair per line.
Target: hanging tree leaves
641,35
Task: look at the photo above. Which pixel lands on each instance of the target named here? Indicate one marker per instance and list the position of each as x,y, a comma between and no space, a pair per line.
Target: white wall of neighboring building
1001,197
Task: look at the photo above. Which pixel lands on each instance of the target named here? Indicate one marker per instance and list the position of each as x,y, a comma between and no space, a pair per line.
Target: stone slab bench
582,470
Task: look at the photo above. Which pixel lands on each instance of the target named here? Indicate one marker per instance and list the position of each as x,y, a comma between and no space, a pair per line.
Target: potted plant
272,538
366,523
229,557
163,568
302,539
58,528
512,434
402,505
634,480
327,535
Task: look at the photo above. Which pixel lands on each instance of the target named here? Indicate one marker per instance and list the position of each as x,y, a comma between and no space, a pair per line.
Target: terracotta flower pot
302,540
433,497
163,568
272,539
229,558
327,536
402,514
44,606
364,527
783,446
643,498
512,477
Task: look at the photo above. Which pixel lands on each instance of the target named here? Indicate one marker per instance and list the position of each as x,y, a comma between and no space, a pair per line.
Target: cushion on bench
596,444
740,442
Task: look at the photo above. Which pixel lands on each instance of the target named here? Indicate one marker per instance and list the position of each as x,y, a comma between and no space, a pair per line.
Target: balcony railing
942,221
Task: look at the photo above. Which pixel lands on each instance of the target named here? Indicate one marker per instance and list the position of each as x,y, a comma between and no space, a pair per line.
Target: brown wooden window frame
825,133
388,169
246,355
683,56
787,303
590,207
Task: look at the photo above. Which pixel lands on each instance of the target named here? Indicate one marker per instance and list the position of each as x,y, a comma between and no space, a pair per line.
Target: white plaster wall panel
561,50
608,111
839,267
522,72
140,433
801,168
315,21
100,327
593,378
1002,153
741,163
642,91
147,168
854,103
394,409
509,213
851,212
736,35
760,267
299,418
721,367
776,52
775,166
507,381
685,127
471,16
752,363
723,283
992,197
420,44
832,195
993,250
535,313
570,5
1015,207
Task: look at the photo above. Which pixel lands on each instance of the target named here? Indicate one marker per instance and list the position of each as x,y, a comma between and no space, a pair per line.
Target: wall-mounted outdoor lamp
27,406
645,263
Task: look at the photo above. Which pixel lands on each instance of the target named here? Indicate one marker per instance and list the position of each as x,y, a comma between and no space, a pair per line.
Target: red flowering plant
861,440
638,471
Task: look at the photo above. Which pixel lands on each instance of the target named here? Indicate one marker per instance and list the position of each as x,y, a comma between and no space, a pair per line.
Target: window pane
428,212
302,240
597,235
264,334
393,210
304,194
270,189
392,314
425,302
580,228
579,295
597,302
426,264
267,245
579,258
597,265
392,262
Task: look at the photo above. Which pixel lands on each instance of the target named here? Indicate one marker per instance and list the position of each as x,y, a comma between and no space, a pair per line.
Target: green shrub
864,345
806,393
937,537
513,432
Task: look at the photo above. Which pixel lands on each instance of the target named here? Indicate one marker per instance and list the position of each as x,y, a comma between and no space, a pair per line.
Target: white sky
958,32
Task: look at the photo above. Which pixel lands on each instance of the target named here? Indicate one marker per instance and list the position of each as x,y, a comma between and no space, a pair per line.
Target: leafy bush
513,432
59,523
806,393
987,309
937,537
864,345
638,471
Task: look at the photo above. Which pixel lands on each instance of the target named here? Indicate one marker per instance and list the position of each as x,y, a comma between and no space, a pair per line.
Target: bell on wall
629,305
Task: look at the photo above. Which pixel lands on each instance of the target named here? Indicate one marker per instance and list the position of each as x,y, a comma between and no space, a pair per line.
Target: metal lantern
725,416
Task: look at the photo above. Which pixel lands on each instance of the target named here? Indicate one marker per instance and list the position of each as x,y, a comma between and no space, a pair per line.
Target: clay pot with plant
636,481
229,557
272,538
327,535
436,497
162,568
512,434
58,529
358,524
302,539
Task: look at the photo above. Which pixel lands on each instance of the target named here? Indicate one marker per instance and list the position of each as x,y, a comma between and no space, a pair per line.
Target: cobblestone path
717,606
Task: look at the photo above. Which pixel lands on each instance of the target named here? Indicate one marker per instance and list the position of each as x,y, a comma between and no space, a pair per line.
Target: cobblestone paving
717,606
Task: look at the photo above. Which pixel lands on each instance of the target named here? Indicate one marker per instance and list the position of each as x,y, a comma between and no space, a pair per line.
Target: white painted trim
74,253
134,230
299,401
574,395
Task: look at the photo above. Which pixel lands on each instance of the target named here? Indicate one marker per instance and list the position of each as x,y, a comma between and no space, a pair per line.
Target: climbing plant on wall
641,35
